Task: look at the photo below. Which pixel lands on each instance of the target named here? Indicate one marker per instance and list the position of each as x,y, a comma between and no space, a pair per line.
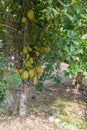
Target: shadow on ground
61,102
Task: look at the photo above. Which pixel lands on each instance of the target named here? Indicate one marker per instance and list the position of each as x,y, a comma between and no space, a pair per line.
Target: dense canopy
36,35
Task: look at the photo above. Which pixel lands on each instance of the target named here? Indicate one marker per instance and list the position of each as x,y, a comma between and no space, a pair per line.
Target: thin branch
65,4
26,37
40,35
12,28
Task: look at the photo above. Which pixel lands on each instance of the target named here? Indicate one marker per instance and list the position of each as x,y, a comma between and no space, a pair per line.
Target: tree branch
65,4
12,28
26,37
40,35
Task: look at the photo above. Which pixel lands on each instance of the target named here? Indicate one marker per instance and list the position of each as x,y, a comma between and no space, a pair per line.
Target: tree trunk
24,98
77,82
26,83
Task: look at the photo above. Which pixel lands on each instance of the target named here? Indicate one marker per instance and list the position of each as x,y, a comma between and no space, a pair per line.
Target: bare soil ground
50,109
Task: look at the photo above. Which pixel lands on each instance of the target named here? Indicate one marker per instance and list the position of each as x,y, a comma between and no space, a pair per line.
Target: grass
69,113
50,103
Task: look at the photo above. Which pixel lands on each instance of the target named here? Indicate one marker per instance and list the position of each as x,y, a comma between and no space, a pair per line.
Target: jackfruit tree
40,34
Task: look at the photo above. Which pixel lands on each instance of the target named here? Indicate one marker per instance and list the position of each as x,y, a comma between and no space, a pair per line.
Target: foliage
8,78
53,24
43,33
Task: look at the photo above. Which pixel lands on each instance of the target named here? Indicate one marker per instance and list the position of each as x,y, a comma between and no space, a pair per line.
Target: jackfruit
25,50
31,60
31,73
29,48
21,71
42,49
27,63
16,70
37,53
30,15
23,20
27,56
24,75
47,49
39,69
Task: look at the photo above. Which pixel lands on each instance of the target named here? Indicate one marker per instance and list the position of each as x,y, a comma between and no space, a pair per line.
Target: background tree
43,33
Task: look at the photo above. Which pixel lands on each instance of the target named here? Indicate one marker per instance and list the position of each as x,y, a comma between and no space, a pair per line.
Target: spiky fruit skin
24,75
31,73
37,54
23,20
25,50
39,69
30,15
29,48
31,60
16,70
45,49
27,64
21,71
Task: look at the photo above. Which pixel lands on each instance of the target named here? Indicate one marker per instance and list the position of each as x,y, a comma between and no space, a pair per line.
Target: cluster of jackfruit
27,50
45,49
33,72
30,69
30,16
30,59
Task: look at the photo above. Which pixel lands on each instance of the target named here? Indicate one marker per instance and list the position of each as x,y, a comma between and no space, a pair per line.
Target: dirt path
56,108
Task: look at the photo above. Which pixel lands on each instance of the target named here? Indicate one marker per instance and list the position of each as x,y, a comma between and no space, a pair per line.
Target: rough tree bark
77,82
24,98
25,83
